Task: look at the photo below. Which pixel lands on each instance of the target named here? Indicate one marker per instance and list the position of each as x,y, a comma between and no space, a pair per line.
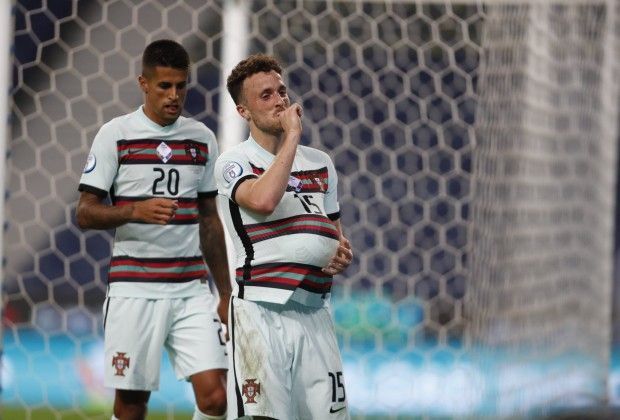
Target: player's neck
269,142
148,112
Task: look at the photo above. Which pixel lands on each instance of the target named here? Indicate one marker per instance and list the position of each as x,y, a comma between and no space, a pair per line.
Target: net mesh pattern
475,146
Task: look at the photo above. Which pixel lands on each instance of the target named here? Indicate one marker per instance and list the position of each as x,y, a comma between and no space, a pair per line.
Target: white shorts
285,362
137,329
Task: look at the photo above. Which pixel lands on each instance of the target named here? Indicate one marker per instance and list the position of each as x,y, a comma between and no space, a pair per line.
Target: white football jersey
280,256
132,158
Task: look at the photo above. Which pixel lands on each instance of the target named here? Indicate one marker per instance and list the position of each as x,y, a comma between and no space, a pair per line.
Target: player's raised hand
290,118
157,211
341,260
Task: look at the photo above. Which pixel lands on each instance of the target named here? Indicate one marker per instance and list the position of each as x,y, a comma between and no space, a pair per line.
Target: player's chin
170,118
275,129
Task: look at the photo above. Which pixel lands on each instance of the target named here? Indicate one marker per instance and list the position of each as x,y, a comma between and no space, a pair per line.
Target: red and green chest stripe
173,152
311,181
311,224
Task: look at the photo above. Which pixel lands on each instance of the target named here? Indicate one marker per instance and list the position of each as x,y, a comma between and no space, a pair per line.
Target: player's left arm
344,254
213,248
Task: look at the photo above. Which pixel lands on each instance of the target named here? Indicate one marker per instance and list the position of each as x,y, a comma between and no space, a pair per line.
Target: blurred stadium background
476,144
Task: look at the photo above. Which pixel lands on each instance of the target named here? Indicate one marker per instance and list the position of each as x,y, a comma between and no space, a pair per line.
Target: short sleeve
208,186
332,208
102,162
231,169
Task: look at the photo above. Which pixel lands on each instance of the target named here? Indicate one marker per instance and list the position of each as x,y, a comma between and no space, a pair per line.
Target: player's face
264,96
164,90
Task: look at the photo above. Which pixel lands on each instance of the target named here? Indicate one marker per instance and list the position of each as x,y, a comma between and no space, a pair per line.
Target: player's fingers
335,270
345,253
339,264
328,271
162,217
164,211
329,268
168,204
341,260
162,202
334,267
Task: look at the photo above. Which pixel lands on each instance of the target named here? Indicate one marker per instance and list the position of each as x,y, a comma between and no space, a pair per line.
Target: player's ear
143,84
243,112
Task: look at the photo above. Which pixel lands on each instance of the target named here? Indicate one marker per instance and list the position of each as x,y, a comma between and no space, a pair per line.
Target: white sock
114,417
198,415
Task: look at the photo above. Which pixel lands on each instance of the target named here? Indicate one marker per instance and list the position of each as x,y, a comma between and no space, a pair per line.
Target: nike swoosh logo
331,409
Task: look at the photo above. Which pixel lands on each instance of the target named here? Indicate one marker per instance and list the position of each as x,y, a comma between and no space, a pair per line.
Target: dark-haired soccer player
157,167
280,205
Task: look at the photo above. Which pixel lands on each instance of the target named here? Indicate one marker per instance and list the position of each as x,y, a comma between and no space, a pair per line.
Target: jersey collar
259,150
152,124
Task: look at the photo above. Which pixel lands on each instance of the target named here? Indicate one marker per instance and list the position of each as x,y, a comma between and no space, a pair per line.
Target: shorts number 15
338,394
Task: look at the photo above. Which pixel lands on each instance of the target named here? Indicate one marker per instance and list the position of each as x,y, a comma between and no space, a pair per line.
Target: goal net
543,212
476,149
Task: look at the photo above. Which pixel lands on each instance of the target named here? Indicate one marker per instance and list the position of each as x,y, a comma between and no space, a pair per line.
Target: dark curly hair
255,63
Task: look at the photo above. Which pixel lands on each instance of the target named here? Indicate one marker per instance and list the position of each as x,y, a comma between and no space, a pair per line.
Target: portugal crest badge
192,152
250,390
120,363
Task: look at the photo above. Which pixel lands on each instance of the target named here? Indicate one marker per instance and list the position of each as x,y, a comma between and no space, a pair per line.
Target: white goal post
5,66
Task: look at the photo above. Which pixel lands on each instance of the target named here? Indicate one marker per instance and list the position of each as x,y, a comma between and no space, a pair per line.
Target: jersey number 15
309,206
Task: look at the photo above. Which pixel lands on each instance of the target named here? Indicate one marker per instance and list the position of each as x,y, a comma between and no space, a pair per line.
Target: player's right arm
264,193
93,213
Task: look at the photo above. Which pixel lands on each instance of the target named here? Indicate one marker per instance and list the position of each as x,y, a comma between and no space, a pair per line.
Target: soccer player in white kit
279,201
157,168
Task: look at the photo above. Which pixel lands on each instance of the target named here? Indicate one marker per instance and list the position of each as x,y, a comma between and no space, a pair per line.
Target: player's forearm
102,216
339,228
214,251
266,193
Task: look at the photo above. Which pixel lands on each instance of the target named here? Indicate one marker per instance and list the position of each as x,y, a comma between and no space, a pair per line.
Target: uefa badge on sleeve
231,170
91,162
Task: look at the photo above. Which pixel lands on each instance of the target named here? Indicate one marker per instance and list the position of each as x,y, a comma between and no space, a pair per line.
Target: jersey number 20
172,183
